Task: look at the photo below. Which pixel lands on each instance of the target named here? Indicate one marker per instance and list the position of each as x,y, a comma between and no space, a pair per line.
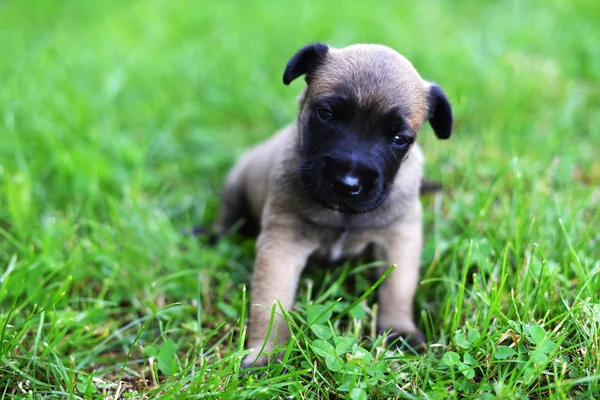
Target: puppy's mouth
339,207
350,209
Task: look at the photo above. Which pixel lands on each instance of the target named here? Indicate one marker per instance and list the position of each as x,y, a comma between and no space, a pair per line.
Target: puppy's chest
342,244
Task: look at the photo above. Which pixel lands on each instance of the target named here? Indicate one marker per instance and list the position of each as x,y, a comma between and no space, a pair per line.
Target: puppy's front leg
403,248
280,258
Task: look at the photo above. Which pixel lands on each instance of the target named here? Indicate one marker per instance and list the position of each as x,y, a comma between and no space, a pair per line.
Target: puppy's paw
255,360
412,341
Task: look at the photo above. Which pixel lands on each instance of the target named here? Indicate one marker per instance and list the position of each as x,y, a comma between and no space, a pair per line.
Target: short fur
344,176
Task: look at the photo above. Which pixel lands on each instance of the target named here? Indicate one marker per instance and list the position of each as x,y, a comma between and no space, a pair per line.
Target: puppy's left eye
325,115
400,141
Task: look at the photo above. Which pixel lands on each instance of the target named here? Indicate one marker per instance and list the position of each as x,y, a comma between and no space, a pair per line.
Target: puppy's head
359,118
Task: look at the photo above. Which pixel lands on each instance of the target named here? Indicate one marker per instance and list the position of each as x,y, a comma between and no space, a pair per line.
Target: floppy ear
440,112
304,61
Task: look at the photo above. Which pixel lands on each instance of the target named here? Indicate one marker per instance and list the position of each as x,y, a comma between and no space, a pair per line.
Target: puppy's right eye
325,115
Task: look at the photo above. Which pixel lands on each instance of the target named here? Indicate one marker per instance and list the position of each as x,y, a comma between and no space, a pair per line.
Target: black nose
348,175
346,185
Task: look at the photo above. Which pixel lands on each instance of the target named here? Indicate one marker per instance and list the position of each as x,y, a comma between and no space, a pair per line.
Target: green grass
118,121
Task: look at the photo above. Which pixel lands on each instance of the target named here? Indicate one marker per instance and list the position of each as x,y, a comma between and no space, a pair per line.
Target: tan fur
294,227
390,79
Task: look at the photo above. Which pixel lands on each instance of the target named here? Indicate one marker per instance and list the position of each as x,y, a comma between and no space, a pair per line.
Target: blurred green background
145,94
119,119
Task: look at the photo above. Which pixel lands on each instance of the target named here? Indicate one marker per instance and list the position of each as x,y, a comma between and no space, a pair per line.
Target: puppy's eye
325,115
400,141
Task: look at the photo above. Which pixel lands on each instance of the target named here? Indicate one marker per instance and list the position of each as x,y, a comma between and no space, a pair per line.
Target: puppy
345,175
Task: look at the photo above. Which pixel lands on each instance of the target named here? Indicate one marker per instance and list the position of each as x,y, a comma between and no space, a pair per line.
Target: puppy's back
247,184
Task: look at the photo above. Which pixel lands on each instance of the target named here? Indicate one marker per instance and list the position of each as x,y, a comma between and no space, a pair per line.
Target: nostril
347,185
354,190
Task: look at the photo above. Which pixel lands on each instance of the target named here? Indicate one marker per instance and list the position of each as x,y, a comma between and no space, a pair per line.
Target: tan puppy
344,176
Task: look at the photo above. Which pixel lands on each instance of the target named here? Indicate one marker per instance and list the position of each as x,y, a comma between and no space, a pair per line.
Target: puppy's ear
304,61
440,112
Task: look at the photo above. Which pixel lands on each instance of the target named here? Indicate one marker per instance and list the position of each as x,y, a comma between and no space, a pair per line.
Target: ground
118,121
